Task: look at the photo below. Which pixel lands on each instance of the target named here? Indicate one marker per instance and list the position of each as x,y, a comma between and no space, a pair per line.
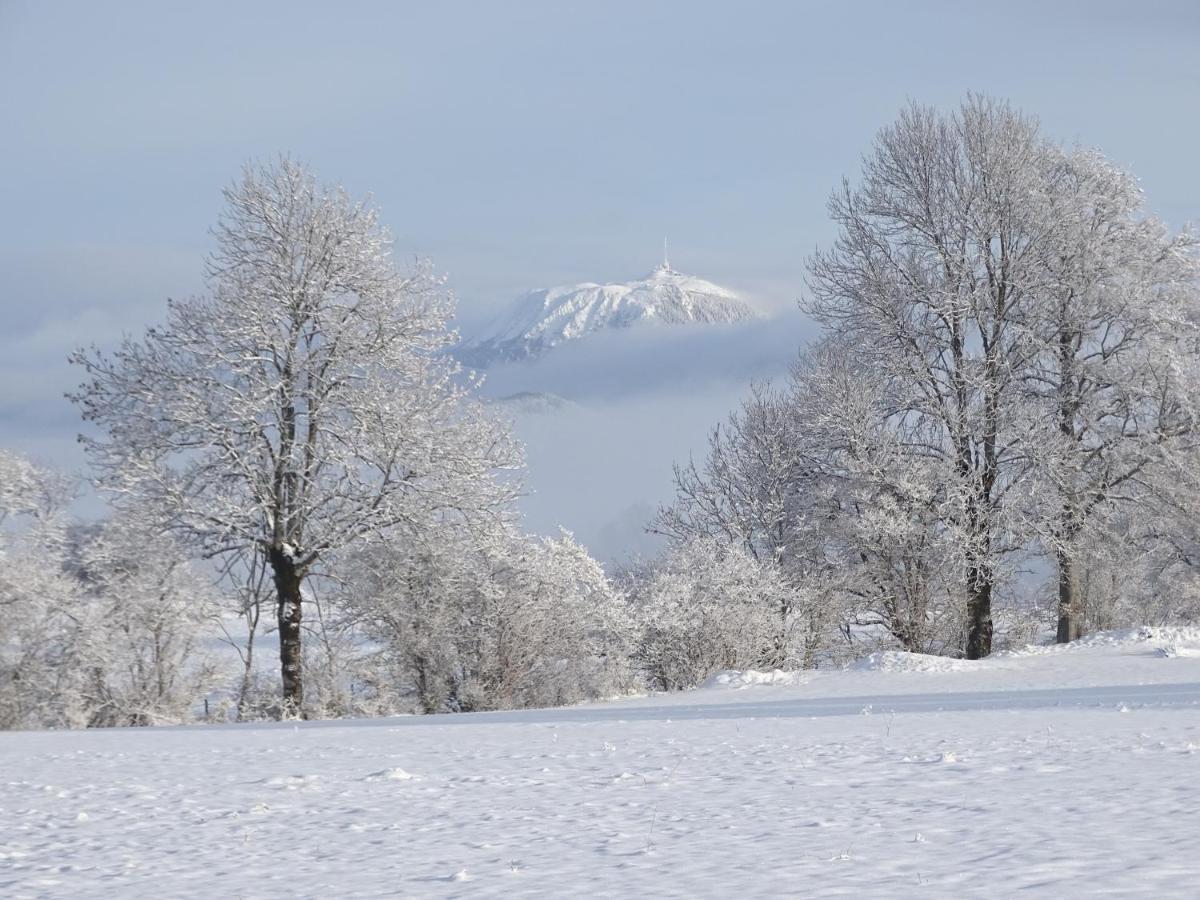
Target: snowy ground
1057,772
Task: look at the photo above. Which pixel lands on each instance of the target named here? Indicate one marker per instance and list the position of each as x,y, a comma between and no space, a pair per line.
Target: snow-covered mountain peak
546,318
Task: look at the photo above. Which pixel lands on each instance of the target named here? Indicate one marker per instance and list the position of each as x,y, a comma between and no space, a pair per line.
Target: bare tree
248,573
885,509
302,406
757,491
1105,378
940,253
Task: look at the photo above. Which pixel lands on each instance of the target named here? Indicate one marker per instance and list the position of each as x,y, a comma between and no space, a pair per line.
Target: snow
1062,772
733,679
893,661
545,318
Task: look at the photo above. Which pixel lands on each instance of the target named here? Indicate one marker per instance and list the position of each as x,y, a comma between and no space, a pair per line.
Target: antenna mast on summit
666,262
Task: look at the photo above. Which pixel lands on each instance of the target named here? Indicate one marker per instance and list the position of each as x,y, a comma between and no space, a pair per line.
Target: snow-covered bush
1143,571
99,624
707,607
35,591
461,619
142,608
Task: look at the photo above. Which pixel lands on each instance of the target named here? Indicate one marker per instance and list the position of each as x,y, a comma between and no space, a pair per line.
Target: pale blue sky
519,144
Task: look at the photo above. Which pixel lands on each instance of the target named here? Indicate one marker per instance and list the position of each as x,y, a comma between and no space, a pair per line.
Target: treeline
1005,386
992,441
112,624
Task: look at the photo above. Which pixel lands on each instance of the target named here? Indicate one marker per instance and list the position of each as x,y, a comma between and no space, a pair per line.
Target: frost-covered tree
561,634
1105,378
896,561
139,621
941,252
99,624
467,618
1024,315
757,490
35,590
1008,360
303,405
814,479
31,496
247,577
708,605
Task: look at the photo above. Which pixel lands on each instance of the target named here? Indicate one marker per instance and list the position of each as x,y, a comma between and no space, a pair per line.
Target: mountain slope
532,403
546,318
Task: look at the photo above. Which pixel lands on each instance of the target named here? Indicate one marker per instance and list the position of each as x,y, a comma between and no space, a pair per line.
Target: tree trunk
1070,616
253,612
812,640
779,646
980,582
287,589
979,613
1070,624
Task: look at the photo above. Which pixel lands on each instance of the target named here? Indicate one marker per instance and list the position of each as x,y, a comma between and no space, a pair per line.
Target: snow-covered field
1053,772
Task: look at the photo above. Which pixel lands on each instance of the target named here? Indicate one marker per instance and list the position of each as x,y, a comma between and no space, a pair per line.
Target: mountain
546,318
532,403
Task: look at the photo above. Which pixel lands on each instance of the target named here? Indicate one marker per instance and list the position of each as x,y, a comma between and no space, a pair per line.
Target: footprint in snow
626,776
292,782
393,774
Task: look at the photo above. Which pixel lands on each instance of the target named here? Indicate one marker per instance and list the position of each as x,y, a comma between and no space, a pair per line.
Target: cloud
653,359
644,399
63,297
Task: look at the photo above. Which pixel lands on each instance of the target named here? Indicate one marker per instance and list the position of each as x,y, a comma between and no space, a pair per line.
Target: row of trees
1002,392
1005,380
300,434
111,624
